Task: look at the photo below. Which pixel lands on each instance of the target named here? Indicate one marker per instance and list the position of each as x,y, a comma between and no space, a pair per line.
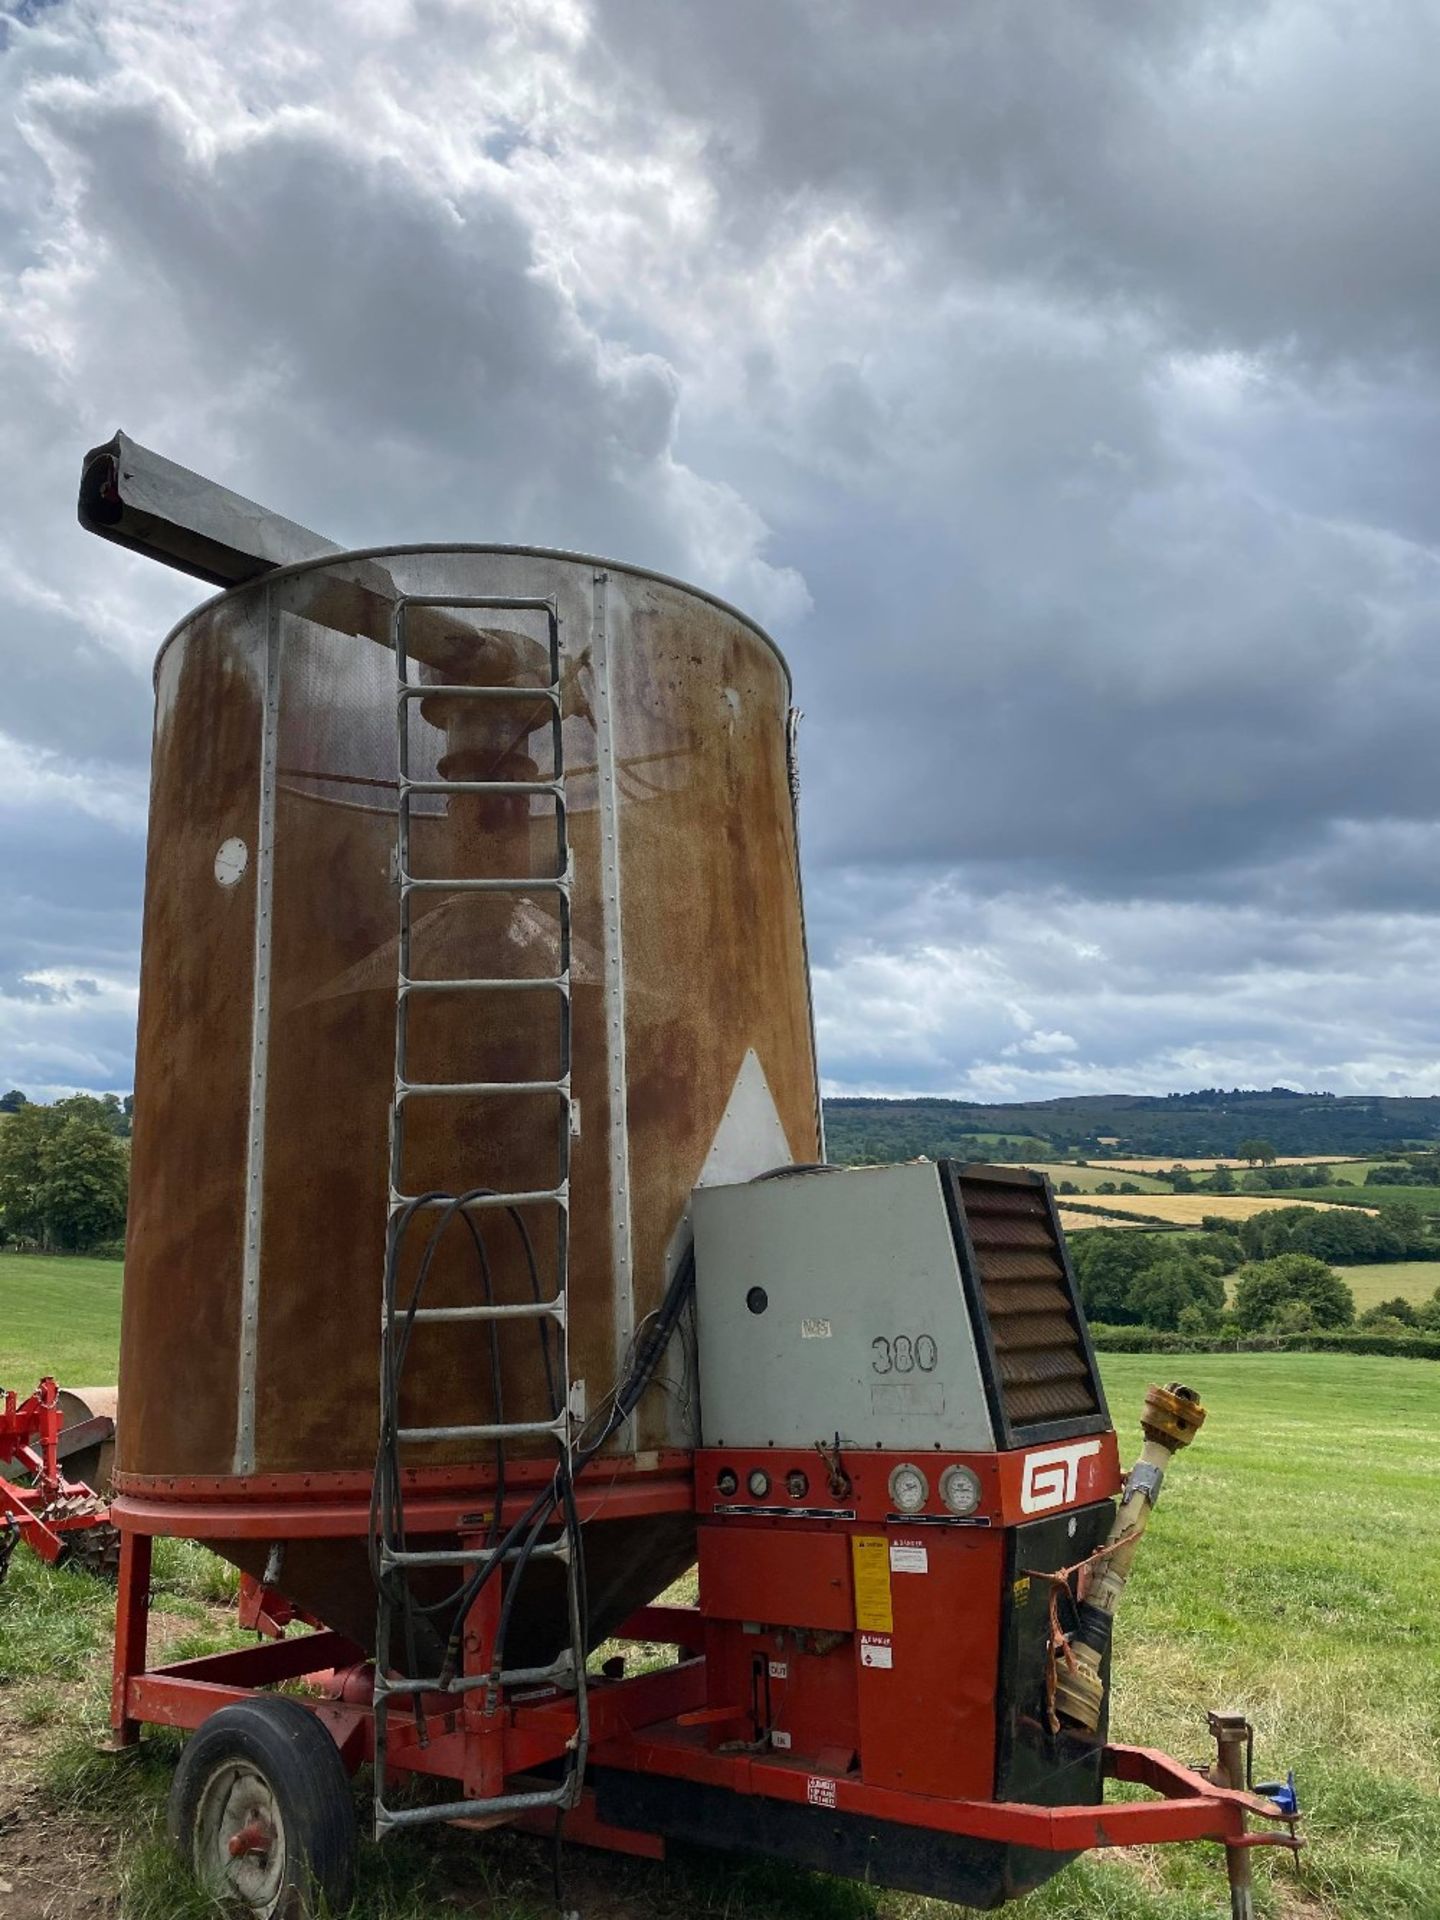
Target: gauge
909,1489
726,1481
797,1484
758,1483
960,1489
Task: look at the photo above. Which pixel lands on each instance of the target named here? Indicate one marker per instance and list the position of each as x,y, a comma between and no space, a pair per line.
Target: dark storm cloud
1159,631
1058,381
1258,172
403,369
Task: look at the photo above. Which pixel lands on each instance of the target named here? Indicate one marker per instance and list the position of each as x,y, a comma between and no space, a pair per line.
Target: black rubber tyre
266,1772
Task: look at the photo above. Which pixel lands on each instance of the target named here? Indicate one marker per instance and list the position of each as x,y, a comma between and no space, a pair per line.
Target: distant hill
1189,1125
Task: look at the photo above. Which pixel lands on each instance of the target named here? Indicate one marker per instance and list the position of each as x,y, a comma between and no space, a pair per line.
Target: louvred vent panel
1044,1368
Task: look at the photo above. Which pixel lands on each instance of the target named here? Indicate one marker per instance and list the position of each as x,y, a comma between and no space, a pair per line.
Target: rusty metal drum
268,1019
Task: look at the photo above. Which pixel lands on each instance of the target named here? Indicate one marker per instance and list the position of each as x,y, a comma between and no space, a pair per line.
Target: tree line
64,1171
1278,1282
1214,1122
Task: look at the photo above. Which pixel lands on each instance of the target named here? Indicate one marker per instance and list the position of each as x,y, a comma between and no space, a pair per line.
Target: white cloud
1151,996
35,780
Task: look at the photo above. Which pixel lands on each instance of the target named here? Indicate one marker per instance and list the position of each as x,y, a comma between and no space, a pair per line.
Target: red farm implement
58,1518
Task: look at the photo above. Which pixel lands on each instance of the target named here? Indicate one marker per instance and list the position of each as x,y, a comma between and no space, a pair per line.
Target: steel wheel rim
238,1798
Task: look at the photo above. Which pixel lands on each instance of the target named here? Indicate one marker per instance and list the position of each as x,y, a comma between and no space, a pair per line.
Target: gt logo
1051,1477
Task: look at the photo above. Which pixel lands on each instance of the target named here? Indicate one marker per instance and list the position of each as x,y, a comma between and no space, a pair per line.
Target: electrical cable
793,1167
647,1348
387,1497
647,1351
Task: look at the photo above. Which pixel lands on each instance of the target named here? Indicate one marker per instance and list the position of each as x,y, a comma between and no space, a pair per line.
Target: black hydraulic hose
793,1167
395,1513
646,1359
389,1379
545,1349
387,1486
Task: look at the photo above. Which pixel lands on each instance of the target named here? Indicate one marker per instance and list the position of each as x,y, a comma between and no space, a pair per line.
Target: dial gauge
909,1489
960,1489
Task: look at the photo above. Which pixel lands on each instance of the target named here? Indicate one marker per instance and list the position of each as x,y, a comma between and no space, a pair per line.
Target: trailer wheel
260,1810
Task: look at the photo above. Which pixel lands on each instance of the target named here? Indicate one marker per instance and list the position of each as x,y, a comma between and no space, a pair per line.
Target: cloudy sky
1057,381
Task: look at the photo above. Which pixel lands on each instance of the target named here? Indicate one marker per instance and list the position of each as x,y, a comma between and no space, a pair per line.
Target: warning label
875,1652
908,1556
819,1791
870,1559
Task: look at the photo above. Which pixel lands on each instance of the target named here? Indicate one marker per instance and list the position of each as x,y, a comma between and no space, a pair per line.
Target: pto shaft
1173,1416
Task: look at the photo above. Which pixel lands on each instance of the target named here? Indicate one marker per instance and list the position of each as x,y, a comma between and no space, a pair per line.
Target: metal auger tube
1173,1416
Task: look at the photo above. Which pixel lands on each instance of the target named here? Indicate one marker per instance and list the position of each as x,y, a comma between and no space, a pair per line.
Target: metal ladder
568,1669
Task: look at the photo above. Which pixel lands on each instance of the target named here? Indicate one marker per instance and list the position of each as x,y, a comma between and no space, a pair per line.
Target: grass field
1156,1164
1073,1222
1087,1179
1347,1173
1413,1280
58,1316
1376,1198
1020,1142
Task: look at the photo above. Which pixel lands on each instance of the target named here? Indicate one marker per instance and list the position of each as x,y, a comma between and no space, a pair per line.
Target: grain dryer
484,1273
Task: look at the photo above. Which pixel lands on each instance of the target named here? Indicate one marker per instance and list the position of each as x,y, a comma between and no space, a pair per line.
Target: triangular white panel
750,1138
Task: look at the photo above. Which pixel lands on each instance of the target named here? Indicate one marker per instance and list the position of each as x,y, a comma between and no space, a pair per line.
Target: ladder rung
556,787
559,983
528,883
554,1196
491,602
493,1430
413,691
409,1088
526,1310
468,1556
568,1670
386,1817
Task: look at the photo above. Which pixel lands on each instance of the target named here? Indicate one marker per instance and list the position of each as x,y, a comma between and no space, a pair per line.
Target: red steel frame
657,1723
23,1423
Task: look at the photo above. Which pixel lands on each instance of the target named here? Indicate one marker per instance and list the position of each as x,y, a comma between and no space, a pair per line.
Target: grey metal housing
833,1303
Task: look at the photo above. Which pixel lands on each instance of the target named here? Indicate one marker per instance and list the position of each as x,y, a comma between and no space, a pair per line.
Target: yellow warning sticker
870,1555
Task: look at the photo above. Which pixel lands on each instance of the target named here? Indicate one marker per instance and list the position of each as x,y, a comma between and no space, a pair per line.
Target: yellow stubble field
1159,1165
1187,1209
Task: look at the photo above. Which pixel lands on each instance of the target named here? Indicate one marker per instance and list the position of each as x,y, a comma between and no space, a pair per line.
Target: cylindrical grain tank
268,1023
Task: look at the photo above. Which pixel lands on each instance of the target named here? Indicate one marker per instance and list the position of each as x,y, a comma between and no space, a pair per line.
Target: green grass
1413,1280
1289,1573
1350,1172
1089,1179
1427,1199
1020,1142
60,1316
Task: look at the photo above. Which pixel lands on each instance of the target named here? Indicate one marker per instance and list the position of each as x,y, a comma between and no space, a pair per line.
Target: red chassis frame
656,1723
